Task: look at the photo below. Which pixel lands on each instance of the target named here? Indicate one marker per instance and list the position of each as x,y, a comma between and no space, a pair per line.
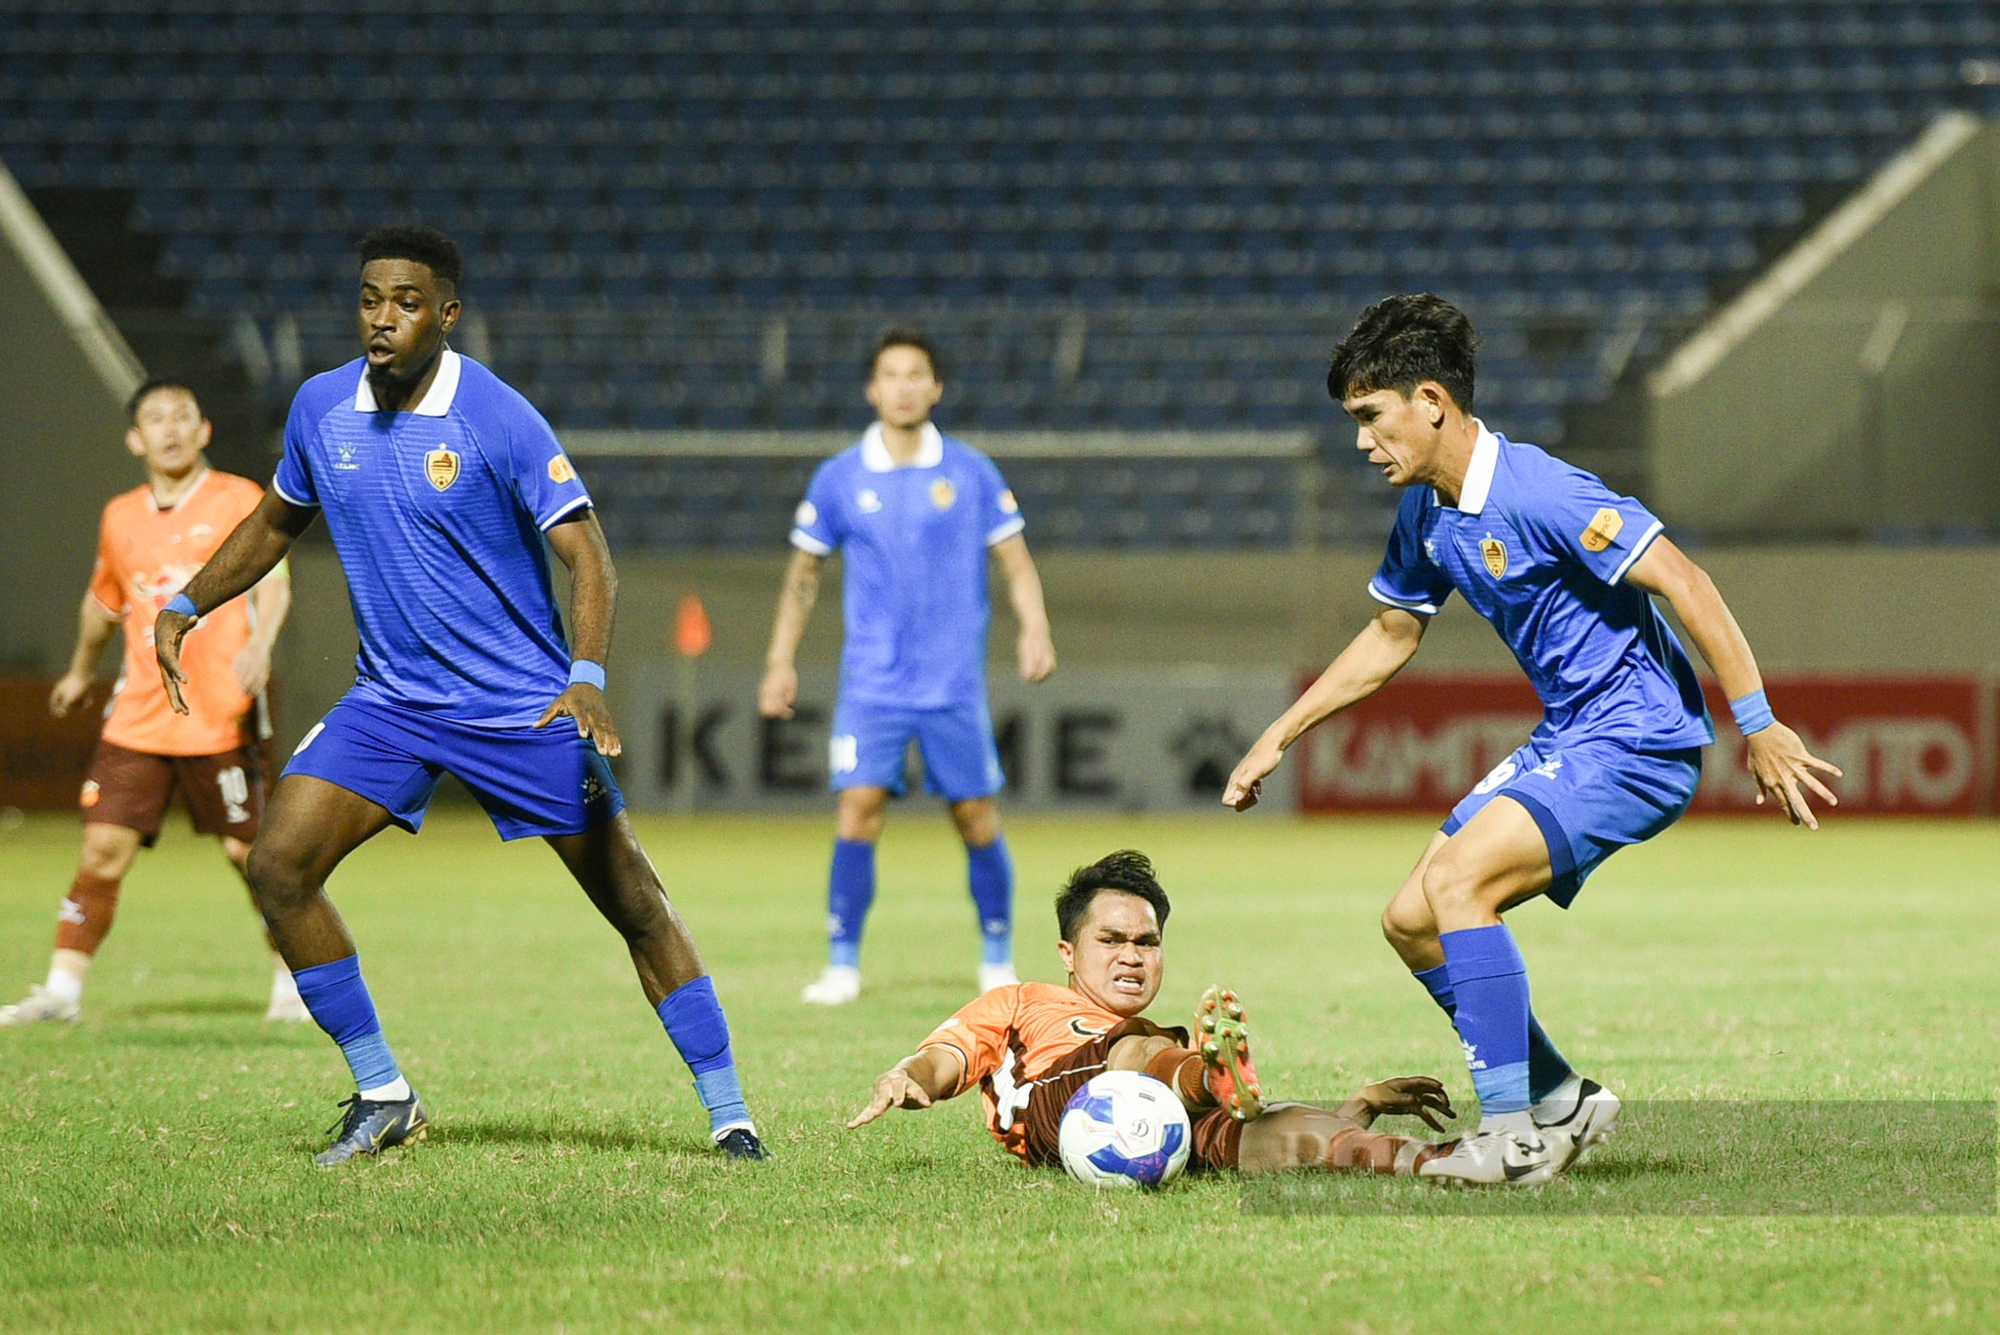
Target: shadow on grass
497,1132
196,1006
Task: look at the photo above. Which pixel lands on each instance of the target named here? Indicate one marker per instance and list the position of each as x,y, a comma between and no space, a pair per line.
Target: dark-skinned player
439,483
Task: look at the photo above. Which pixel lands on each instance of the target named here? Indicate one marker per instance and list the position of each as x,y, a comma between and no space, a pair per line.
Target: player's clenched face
1401,436
1115,959
904,388
169,432
405,314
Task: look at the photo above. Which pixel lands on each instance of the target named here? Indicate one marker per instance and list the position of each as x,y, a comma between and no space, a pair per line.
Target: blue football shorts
1590,798
532,781
869,742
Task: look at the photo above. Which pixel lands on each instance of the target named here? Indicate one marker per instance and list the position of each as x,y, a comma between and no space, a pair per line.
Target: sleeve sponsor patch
560,471
1008,505
806,515
1604,528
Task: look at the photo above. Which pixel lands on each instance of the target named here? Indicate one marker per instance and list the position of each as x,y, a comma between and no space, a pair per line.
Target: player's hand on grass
585,703
1246,784
779,691
1416,1096
168,629
252,666
1037,651
1783,767
894,1088
68,693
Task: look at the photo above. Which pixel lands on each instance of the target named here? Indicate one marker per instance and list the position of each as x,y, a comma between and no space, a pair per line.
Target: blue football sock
850,890
1547,1068
991,873
695,1023
340,1004
1489,982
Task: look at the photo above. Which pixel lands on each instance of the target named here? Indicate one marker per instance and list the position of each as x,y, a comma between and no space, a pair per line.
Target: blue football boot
370,1126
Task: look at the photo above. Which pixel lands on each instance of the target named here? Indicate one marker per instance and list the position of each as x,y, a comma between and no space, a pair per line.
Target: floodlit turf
154,1159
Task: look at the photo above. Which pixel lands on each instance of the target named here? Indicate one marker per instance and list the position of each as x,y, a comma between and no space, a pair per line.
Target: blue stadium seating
1210,188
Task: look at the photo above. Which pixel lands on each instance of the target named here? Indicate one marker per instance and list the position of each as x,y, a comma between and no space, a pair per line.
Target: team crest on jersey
441,467
943,493
1495,552
867,502
560,470
1603,530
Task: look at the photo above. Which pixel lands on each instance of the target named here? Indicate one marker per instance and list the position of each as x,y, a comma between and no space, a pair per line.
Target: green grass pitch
154,1159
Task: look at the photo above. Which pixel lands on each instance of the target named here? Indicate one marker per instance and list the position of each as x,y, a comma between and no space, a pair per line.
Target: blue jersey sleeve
294,480
1407,577
816,525
1578,517
1001,513
544,479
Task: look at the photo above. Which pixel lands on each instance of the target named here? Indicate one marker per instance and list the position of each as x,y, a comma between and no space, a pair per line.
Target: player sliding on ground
439,483
152,539
914,514
1030,1046
1563,568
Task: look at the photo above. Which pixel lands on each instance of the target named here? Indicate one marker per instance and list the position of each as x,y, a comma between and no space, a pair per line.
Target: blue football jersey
438,513
1541,549
914,541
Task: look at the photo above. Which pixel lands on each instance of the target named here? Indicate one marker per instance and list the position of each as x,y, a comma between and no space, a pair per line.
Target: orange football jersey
1011,1037
145,555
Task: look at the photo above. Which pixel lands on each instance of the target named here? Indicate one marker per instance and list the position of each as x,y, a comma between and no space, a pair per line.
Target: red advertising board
1908,745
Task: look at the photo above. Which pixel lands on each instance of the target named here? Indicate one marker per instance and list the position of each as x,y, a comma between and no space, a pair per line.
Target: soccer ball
1125,1129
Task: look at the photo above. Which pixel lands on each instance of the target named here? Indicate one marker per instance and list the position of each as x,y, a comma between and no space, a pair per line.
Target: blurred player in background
1564,569
1030,1046
150,543
440,483
914,514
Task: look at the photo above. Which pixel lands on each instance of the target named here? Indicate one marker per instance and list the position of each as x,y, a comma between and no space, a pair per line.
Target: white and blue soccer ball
1125,1129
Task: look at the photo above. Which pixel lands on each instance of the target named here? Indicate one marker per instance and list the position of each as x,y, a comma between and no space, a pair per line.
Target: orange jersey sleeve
146,555
978,1033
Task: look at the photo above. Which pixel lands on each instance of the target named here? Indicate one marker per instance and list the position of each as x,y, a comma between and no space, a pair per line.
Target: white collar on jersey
437,399
875,455
1478,473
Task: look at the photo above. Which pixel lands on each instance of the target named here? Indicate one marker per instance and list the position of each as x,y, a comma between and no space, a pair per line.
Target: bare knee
108,851
862,814
1451,888
281,875
978,821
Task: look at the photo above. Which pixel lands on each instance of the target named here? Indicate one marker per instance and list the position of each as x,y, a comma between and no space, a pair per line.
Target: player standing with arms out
440,483
914,513
151,540
1564,569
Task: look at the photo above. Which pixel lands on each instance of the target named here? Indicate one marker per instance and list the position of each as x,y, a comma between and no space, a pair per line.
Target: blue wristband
591,674
183,604
1753,712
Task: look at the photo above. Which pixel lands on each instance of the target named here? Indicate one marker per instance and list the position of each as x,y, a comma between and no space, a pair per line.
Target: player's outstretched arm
248,554
593,602
93,631
1416,1096
1363,668
1779,761
1037,647
780,688
917,1081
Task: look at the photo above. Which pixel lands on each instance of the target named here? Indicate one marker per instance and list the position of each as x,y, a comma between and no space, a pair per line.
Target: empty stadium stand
1151,215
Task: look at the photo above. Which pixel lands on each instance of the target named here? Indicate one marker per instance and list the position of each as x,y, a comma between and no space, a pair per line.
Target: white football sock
396,1091
64,986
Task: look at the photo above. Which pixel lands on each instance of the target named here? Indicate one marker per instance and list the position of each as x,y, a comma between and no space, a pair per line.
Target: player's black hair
1400,342
1126,871
154,386
906,336
426,245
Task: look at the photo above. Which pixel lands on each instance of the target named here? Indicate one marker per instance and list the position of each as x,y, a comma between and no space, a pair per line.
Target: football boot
40,1004
1223,1035
838,985
1495,1158
1576,1115
740,1142
370,1126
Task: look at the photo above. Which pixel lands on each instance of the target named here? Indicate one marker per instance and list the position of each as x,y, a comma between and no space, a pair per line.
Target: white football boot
1496,1157
996,975
1575,1116
40,1004
838,985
